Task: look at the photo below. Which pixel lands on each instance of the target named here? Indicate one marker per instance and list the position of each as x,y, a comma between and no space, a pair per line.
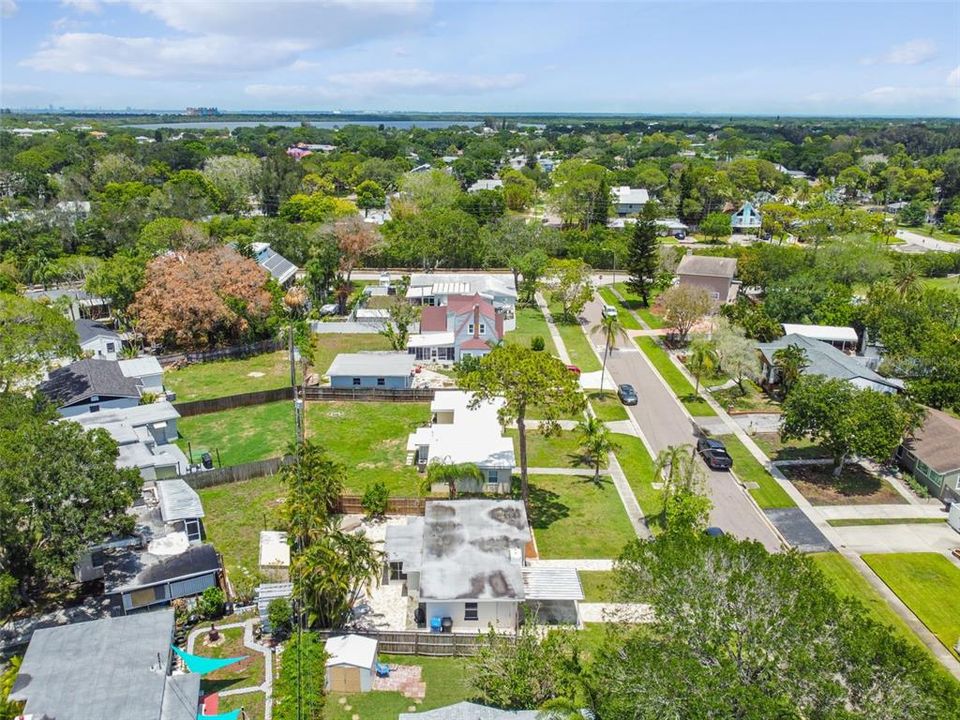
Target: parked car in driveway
627,395
714,453
574,369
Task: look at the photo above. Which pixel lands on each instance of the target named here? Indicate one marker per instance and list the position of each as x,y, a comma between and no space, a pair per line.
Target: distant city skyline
709,58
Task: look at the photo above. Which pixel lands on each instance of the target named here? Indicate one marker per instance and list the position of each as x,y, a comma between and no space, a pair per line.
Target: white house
351,663
461,434
437,288
97,340
486,184
628,200
463,563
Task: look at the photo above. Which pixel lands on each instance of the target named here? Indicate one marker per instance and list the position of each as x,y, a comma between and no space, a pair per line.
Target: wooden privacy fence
369,394
418,643
235,473
260,397
200,356
351,505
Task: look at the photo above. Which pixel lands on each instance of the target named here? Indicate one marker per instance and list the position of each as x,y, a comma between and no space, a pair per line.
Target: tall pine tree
642,260
600,207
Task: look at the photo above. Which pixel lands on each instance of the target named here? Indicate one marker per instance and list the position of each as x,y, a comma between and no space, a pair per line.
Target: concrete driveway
663,422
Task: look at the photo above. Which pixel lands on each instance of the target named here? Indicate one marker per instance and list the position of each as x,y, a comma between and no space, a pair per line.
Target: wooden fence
260,397
234,473
369,394
350,505
419,643
200,356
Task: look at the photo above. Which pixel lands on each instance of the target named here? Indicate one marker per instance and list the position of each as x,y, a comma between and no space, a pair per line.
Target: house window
192,528
110,347
470,328
470,611
396,571
493,477
381,381
94,408
483,329
356,382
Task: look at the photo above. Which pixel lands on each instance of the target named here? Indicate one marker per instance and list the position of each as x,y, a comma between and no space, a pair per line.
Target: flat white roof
140,367
430,339
474,436
274,549
354,650
138,416
365,364
828,333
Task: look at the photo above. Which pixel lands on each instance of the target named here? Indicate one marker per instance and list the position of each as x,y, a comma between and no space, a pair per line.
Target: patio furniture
383,670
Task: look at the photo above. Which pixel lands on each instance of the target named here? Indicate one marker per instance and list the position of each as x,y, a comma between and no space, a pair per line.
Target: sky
585,56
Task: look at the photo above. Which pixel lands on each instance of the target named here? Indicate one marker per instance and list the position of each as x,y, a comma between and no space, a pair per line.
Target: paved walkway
578,472
629,500
859,512
927,243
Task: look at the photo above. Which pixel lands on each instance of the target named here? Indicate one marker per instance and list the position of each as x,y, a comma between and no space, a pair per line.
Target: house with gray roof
713,274
391,370
628,200
97,340
463,563
119,668
75,302
280,269
932,455
89,386
825,359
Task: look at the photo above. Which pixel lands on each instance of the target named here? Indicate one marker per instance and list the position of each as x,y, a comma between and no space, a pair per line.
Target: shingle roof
89,329
707,266
937,442
826,360
365,364
86,378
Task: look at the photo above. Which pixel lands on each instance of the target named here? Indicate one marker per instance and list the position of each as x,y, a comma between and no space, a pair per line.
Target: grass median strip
575,340
632,301
768,492
638,466
626,317
681,387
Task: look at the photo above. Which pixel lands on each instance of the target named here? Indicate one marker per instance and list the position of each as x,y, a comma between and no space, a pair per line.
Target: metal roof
471,711
178,501
551,583
828,333
431,339
355,650
380,364
625,195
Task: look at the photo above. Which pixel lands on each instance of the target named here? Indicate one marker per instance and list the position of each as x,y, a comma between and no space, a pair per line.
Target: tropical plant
375,500
442,471
612,328
314,485
701,359
280,617
790,363
596,443
211,603
397,330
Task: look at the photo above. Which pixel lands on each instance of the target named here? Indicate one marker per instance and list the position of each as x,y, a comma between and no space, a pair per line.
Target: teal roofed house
745,219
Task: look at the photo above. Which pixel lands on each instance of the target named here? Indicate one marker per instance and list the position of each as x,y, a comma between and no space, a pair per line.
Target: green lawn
561,450
854,522
929,585
776,449
253,704
573,517
607,406
638,466
530,324
575,340
598,585
754,399
933,232
201,381
944,283
235,515
632,301
245,673
327,346
447,681
369,438
626,317
681,387
769,494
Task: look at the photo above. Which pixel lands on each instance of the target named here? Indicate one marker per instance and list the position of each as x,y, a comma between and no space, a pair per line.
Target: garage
351,665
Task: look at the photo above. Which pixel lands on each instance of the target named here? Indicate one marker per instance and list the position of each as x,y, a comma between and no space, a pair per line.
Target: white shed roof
828,333
431,339
274,549
140,367
178,501
381,364
551,583
354,650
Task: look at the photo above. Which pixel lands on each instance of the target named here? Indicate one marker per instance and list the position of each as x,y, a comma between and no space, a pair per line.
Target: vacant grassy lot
561,450
245,673
575,340
768,494
626,317
607,406
648,314
447,681
598,585
776,449
681,387
945,283
573,517
855,486
531,324
202,381
929,585
326,347
638,466
235,515
369,438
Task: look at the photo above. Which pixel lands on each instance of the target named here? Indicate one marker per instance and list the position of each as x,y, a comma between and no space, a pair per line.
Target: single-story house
463,563
76,303
471,711
146,370
436,289
486,184
281,269
460,434
463,326
628,200
73,209
89,386
824,359
746,219
713,274
351,663
842,338
393,370
932,455
97,340
119,668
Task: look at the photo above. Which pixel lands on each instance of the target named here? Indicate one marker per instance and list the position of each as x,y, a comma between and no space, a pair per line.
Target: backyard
681,387
201,381
243,674
929,585
530,324
855,486
573,517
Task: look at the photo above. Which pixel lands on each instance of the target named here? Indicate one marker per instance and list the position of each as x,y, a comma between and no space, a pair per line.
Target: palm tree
612,328
790,363
703,358
677,465
906,279
596,443
443,471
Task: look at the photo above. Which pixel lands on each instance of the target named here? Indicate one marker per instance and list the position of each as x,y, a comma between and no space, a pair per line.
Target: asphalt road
927,243
664,423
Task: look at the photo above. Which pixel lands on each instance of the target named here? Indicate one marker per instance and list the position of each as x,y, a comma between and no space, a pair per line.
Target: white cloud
894,96
953,79
145,57
8,8
84,6
912,52
414,80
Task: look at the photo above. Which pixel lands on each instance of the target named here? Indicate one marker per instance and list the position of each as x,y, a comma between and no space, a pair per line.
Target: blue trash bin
436,624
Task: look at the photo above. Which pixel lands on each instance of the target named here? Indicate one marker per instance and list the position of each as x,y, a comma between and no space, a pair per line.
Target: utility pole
298,418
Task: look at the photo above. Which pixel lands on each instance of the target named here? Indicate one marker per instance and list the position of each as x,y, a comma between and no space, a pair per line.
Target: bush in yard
375,499
537,343
244,586
313,658
280,616
9,596
211,604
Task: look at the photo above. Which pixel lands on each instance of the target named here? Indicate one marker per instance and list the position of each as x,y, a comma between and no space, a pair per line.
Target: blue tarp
202,665
232,715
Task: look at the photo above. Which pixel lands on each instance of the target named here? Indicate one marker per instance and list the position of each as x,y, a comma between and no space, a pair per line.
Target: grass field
681,387
632,301
854,522
575,340
769,494
447,683
929,585
530,324
607,406
573,517
776,449
201,381
598,585
369,438
944,283
638,466
561,450
626,317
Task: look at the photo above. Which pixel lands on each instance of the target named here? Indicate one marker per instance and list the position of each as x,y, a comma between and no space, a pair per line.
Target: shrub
211,604
537,343
9,595
244,586
280,617
919,488
313,655
375,499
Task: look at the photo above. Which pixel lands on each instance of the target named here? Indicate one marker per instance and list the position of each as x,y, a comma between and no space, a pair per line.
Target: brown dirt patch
855,486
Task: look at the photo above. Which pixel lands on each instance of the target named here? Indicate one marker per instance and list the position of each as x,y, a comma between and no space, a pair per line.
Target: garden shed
351,665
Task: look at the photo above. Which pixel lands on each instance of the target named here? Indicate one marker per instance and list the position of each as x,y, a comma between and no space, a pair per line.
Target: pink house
298,153
466,325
